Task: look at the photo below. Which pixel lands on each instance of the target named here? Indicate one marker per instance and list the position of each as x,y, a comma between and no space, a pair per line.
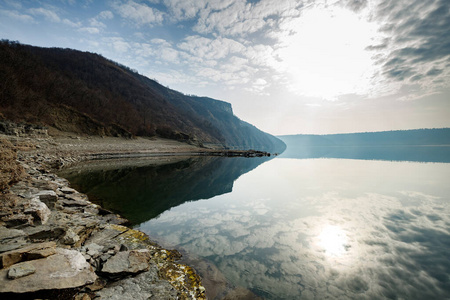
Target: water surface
307,228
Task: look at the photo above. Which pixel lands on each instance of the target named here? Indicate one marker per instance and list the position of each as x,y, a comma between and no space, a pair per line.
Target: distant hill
86,93
427,145
438,136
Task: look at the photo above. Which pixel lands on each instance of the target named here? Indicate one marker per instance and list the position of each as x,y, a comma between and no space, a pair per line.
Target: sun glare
333,240
325,55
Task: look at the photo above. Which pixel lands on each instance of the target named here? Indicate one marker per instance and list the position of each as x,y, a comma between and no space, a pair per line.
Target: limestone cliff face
86,93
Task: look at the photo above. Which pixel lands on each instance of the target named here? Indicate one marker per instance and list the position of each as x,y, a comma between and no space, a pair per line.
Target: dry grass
10,170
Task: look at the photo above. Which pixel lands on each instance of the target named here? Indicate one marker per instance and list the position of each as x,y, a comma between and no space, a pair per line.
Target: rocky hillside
86,93
10,170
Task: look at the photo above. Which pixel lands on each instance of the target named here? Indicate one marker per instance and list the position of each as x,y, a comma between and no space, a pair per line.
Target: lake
291,228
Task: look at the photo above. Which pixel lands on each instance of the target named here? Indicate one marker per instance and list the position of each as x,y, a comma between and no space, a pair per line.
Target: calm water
286,228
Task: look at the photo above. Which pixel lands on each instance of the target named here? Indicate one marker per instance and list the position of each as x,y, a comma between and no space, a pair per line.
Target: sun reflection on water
333,240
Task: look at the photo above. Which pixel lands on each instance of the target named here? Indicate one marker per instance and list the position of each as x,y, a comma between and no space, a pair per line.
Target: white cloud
240,17
106,15
49,15
182,10
17,15
90,30
169,55
143,50
140,14
118,44
210,48
258,86
161,42
70,23
414,55
96,23
52,16
96,26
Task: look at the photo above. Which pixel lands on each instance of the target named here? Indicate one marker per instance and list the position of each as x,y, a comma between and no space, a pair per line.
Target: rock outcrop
53,240
10,128
62,270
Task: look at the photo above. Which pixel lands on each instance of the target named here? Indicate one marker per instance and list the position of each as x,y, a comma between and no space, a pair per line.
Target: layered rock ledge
56,244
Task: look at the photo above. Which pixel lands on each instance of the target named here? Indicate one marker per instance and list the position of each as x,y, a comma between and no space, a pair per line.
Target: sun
333,240
325,53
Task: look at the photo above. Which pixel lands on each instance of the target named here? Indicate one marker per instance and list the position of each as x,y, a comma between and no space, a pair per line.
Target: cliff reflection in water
143,189
292,228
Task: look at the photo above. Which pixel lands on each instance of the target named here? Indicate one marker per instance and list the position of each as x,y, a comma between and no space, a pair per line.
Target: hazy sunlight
333,240
325,57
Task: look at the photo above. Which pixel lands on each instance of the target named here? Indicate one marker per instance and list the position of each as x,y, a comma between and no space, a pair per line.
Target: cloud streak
418,45
17,16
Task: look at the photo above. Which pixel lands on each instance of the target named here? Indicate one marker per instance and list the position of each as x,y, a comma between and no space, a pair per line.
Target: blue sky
286,66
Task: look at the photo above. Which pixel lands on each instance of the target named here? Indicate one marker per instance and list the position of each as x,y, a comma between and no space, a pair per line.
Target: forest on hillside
86,93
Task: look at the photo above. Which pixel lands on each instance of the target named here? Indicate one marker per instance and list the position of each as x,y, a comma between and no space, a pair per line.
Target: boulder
94,250
38,210
70,237
134,261
66,269
48,197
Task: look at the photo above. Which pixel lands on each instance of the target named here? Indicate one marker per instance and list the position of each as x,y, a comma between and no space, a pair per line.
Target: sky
286,66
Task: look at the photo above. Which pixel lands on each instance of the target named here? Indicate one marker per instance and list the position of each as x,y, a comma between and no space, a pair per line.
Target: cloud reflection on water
356,230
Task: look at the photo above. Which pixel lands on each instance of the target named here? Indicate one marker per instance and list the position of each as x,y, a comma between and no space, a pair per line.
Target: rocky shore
56,244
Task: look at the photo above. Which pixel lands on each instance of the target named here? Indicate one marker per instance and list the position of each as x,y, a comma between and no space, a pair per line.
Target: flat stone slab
67,190
65,269
73,203
11,239
106,235
6,233
133,261
17,244
144,286
29,252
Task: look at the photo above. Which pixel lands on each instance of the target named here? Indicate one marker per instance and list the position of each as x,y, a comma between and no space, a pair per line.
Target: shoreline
46,223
